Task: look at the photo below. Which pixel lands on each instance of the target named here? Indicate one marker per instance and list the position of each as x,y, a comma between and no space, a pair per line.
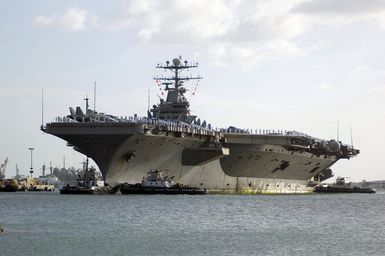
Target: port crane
2,168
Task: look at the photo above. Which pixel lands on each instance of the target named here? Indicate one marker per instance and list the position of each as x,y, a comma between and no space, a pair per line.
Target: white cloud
378,91
341,7
249,54
342,12
366,73
242,31
176,21
42,21
145,35
379,18
73,19
324,86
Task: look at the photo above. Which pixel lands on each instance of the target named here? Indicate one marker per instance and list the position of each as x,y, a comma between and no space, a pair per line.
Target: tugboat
341,186
8,185
86,185
154,183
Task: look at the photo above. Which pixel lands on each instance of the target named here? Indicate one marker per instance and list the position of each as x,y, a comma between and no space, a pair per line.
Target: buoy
1,229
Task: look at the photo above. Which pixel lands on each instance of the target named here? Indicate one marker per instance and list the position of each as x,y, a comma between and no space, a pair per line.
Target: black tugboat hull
320,189
8,189
167,191
85,191
76,191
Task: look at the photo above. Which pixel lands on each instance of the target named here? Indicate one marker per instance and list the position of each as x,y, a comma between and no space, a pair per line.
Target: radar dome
176,62
334,145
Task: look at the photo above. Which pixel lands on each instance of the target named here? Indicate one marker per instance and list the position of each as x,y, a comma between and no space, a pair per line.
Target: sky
299,65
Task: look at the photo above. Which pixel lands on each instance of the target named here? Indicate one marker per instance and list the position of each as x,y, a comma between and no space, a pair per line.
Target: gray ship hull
252,164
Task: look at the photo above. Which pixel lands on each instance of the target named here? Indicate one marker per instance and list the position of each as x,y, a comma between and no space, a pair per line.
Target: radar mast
176,106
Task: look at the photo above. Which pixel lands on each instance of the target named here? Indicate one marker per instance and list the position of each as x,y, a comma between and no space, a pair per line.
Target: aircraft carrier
193,152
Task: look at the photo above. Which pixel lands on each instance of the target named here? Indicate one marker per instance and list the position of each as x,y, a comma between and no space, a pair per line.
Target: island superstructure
169,138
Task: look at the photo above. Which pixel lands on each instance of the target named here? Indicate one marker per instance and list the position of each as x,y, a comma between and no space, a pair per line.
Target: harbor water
47,223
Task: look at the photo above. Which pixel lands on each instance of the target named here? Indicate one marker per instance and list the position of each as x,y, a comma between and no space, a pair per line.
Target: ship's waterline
193,153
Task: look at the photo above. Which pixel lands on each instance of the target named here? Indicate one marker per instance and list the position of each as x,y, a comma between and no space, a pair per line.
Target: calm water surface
44,223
